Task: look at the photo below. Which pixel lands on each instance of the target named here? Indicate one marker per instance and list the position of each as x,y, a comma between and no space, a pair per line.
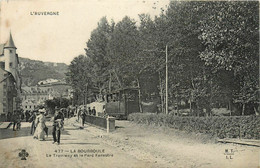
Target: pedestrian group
39,127
37,118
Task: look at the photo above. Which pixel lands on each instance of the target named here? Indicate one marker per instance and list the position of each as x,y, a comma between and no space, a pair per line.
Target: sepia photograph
129,84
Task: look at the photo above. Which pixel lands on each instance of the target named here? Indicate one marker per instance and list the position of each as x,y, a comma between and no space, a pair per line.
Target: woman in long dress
40,122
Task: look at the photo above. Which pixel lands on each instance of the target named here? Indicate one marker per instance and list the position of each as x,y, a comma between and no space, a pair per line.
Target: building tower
10,80
9,62
11,58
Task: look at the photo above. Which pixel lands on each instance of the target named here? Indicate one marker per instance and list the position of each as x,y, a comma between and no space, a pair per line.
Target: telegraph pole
166,80
166,76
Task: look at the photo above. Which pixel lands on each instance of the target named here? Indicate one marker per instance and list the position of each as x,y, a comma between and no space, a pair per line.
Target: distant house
10,79
60,87
32,96
29,105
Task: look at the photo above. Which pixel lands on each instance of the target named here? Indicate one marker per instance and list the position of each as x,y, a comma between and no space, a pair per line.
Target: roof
5,71
9,74
10,42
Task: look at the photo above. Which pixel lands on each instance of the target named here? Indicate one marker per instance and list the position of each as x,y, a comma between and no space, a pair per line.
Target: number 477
58,150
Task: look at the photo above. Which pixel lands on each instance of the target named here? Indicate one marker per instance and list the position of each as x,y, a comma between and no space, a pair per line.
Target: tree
58,102
123,49
230,34
97,51
147,62
177,28
79,77
212,55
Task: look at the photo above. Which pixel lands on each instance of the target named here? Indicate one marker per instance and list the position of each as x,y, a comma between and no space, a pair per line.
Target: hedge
247,127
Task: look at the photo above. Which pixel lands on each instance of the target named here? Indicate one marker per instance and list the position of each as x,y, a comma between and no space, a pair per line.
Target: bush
221,126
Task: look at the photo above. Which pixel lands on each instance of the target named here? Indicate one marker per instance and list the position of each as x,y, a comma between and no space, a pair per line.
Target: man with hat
27,115
32,119
15,119
94,111
57,126
83,116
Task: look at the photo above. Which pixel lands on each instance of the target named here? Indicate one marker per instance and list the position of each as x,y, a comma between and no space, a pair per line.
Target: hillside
33,71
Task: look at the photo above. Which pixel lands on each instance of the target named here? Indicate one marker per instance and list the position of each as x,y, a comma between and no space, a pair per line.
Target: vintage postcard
129,84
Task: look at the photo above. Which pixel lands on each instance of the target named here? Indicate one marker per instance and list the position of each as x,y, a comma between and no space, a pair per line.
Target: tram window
117,97
123,96
109,98
114,97
131,96
120,96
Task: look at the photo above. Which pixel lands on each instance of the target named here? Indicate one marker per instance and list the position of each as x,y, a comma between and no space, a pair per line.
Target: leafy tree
79,77
123,49
230,34
177,28
212,55
147,62
97,51
58,102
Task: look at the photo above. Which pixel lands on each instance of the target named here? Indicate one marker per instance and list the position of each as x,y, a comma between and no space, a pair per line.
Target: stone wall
106,123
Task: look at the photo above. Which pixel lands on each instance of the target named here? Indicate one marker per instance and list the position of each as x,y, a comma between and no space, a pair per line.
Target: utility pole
166,76
110,80
60,99
166,80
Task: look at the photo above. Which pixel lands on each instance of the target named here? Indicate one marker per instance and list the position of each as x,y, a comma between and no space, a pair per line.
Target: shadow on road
26,131
72,129
80,143
69,139
119,127
9,133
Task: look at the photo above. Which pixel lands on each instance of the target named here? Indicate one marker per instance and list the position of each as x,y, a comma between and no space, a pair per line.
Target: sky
63,37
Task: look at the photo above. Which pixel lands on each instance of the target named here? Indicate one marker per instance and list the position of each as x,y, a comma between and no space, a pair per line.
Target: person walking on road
57,126
27,116
40,122
9,117
94,111
89,111
19,118
78,113
32,120
15,118
83,116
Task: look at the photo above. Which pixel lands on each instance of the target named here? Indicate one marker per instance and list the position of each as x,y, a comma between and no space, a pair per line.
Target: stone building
10,79
33,96
8,94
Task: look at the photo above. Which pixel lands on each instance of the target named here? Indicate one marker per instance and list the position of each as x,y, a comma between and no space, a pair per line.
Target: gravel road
129,146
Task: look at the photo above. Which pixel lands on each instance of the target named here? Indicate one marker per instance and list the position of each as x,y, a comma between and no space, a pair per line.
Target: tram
122,102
